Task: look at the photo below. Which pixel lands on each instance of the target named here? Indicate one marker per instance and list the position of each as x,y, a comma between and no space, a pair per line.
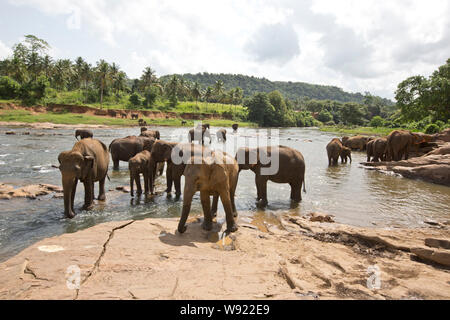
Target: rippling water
352,194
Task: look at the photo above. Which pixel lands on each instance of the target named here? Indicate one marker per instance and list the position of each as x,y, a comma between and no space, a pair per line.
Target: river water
355,196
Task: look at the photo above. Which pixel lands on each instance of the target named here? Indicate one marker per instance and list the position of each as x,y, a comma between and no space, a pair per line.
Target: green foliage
34,90
325,116
418,96
376,122
432,129
135,100
9,88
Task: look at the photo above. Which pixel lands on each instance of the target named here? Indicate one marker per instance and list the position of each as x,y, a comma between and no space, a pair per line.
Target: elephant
235,127
222,135
369,150
83,134
112,113
123,115
346,153
379,149
162,152
150,134
88,162
124,149
344,140
334,149
291,169
134,116
183,122
140,163
357,143
399,143
199,134
213,175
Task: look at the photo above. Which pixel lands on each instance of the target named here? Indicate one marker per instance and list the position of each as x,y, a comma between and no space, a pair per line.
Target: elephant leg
101,190
226,201
187,200
88,194
177,182
262,182
258,188
132,184
296,191
146,182
169,179
206,204
214,206
233,205
138,184
115,164
73,194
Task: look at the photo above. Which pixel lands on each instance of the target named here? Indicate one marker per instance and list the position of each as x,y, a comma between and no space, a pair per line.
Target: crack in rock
97,262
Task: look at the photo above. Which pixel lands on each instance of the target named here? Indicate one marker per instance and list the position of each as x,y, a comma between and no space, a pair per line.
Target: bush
432,129
135,100
9,88
440,124
325,116
376,122
34,90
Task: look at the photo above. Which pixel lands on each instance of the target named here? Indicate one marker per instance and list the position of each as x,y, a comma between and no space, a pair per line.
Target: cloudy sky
360,46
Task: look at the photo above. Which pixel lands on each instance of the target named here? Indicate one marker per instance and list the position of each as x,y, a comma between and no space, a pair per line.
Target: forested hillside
290,90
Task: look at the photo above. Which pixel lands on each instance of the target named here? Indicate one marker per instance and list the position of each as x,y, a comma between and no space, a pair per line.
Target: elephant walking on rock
213,175
400,142
87,162
263,162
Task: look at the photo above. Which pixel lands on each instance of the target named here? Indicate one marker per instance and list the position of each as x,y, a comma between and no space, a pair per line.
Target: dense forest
292,90
31,76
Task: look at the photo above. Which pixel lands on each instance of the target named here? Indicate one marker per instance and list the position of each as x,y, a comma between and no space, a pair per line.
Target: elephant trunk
69,186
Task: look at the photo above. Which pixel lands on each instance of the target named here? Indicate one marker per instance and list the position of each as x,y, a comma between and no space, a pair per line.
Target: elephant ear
90,165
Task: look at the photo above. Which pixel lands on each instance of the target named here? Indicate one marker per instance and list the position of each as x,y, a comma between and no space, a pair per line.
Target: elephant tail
304,185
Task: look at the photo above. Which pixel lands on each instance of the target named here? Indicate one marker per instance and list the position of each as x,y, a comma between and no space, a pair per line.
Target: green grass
380,131
73,118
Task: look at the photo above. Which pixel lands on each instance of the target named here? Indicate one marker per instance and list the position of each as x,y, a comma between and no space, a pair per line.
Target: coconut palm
102,71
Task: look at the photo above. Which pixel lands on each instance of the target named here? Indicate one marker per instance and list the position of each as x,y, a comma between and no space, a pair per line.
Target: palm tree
219,90
148,78
172,88
196,92
78,68
86,76
47,64
102,71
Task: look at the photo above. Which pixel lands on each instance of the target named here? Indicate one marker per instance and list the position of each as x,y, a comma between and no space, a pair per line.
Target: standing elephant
379,149
235,127
150,134
344,140
162,152
84,134
222,135
88,162
334,149
199,134
291,169
400,142
346,153
140,163
124,149
357,143
369,150
214,175
134,116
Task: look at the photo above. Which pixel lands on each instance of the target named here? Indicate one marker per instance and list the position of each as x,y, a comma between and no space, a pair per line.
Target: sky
360,46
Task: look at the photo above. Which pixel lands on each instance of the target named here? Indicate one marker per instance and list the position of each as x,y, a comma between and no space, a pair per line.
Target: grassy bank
380,131
72,118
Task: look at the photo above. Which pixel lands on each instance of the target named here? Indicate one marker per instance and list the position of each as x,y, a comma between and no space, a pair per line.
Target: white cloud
357,45
5,52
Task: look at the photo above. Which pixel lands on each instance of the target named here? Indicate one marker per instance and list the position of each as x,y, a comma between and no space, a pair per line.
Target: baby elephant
84,134
346,153
140,163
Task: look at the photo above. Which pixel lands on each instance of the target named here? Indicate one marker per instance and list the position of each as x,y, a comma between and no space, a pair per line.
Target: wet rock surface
31,191
433,167
294,259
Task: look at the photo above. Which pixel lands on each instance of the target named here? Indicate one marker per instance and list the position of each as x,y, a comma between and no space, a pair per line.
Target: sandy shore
293,259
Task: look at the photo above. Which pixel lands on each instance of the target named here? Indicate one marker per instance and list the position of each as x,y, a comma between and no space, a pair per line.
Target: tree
172,90
102,71
259,109
351,113
196,92
219,90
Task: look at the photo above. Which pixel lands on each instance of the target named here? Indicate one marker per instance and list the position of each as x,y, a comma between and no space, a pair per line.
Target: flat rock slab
31,192
295,259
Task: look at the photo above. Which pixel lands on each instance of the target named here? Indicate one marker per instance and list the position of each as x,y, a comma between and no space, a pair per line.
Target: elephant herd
395,147
210,172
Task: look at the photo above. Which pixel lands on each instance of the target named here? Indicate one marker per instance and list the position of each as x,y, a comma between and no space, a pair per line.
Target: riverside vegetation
30,77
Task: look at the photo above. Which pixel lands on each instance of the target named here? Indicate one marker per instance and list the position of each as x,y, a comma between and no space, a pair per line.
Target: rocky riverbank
293,258
433,167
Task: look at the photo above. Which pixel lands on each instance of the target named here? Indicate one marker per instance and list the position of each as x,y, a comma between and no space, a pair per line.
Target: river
355,196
